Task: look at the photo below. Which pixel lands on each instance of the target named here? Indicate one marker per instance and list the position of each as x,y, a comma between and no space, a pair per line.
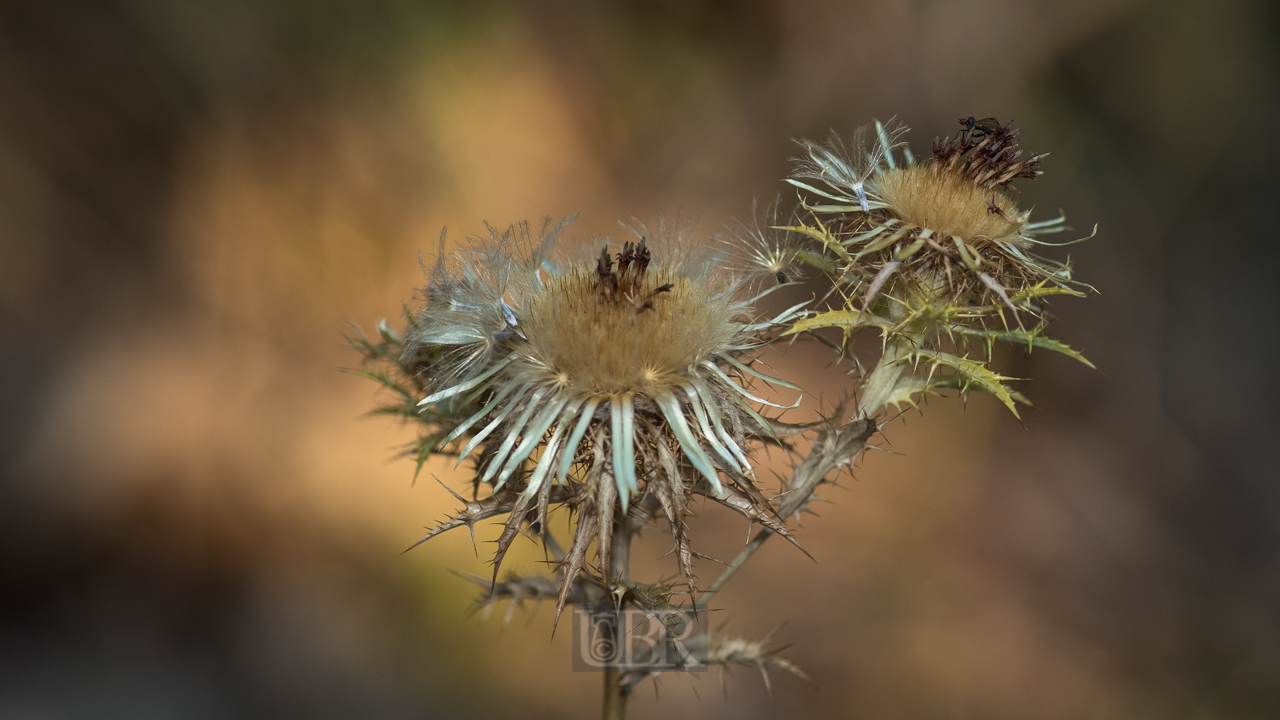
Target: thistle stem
616,693
879,385
825,456
880,382
704,598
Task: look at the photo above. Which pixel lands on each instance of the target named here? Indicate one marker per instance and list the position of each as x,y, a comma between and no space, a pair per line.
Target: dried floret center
950,205
630,329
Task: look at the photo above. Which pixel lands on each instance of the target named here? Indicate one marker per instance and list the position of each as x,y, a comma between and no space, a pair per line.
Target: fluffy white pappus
845,167
762,249
474,291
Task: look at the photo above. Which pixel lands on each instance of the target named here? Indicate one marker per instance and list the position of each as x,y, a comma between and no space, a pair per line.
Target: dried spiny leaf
510,530
649,595
833,448
606,496
472,511
733,498
518,588
757,653
671,496
576,559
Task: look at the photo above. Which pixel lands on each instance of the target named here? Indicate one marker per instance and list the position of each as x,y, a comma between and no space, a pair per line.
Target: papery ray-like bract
595,379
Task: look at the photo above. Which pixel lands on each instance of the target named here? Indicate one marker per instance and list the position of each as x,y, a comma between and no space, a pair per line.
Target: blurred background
196,196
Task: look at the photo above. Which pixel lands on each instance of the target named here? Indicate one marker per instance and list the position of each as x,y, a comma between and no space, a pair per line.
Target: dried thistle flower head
594,381
948,226
932,253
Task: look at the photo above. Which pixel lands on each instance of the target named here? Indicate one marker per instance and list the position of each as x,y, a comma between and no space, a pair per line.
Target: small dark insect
981,127
781,277
994,209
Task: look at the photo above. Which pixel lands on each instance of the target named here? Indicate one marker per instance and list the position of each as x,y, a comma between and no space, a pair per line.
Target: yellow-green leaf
1029,338
822,235
973,373
847,319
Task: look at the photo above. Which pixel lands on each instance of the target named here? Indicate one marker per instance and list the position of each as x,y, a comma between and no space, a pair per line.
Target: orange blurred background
195,197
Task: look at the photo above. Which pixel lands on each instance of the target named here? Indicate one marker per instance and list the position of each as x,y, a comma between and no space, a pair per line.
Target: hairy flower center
950,205
633,330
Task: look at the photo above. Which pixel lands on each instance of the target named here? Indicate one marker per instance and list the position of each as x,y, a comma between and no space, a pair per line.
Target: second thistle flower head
931,253
949,227
596,378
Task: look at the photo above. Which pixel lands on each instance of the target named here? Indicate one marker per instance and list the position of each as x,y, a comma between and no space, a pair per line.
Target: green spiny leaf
907,387
822,235
956,382
847,319
973,373
1043,289
816,260
1029,338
